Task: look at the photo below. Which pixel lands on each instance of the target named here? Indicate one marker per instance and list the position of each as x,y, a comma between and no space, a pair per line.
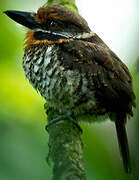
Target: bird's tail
123,144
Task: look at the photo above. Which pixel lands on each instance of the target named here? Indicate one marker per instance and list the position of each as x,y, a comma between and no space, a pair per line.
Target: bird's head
51,24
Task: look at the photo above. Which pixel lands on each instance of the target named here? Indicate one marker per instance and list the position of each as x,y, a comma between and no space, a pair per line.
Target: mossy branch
70,4
65,144
65,148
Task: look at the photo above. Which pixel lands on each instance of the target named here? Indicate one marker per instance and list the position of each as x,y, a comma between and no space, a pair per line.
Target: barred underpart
65,90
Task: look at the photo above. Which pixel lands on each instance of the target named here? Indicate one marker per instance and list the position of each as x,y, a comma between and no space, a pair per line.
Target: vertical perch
65,149
65,144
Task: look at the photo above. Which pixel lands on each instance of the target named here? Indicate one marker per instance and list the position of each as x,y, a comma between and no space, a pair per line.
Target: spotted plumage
74,70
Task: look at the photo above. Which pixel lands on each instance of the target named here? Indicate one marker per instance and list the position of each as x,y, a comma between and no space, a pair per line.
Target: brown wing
115,89
117,94
107,75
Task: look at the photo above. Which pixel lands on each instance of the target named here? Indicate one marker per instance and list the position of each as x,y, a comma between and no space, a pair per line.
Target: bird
75,71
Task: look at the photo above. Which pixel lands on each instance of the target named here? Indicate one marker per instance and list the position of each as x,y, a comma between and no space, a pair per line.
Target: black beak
24,18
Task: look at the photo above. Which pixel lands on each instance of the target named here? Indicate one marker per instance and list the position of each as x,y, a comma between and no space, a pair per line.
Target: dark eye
53,25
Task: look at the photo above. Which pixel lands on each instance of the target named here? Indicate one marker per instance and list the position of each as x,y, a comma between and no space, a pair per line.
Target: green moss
66,3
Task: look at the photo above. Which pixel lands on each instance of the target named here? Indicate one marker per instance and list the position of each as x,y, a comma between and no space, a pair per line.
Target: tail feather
123,144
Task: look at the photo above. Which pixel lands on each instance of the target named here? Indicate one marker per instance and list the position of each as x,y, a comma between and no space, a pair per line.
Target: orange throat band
29,40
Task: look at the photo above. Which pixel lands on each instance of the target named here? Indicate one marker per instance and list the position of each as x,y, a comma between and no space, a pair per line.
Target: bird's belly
67,91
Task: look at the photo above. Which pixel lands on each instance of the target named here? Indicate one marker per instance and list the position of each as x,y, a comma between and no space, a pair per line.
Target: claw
62,118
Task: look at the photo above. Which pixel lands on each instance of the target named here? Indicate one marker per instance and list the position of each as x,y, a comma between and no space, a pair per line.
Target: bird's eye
53,25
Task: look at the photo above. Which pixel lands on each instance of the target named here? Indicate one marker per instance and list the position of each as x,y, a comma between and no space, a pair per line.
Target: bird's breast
64,89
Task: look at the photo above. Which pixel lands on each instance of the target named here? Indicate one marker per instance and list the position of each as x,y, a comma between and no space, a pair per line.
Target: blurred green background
23,139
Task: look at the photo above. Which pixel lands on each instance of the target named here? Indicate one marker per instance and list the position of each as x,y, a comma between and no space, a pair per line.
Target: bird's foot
61,118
